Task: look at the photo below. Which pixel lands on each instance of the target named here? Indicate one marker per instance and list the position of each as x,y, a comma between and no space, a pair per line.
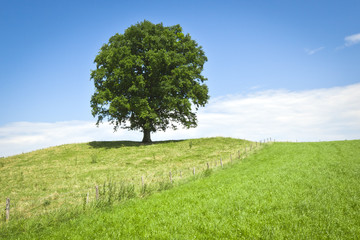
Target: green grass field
284,191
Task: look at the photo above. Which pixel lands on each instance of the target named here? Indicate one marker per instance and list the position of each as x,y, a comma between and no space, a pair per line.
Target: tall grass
46,180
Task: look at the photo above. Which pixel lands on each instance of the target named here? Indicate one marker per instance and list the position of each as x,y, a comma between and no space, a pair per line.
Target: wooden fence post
7,209
221,162
170,177
142,181
194,171
87,198
97,192
207,165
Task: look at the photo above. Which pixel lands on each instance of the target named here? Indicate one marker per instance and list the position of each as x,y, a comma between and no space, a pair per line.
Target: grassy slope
286,191
48,179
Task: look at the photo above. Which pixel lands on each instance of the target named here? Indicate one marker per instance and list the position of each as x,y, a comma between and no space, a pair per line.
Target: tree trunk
147,138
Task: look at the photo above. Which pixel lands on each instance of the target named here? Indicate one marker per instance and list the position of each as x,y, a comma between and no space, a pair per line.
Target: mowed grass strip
285,191
42,181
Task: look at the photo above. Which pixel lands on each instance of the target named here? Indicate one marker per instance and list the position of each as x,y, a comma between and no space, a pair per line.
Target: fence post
97,192
180,174
142,181
230,157
7,209
221,162
194,171
87,198
207,165
170,177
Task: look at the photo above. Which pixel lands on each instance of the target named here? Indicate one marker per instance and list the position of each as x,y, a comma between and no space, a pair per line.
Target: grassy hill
58,177
284,191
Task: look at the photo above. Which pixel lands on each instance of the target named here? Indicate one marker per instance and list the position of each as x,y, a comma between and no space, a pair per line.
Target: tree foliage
149,79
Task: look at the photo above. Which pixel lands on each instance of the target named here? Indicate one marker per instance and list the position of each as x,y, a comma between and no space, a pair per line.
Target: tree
149,79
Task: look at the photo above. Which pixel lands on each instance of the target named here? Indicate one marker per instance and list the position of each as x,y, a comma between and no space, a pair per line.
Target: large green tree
149,79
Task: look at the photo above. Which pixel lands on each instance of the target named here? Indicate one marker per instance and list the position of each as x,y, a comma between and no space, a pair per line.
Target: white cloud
352,40
321,114
313,51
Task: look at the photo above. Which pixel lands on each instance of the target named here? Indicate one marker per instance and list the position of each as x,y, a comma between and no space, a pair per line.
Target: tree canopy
149,79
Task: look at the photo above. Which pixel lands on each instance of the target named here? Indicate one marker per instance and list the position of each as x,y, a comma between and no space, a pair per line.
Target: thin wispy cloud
321,114
352,40
313,51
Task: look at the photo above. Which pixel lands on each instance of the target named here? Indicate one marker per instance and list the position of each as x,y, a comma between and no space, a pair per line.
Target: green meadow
279,191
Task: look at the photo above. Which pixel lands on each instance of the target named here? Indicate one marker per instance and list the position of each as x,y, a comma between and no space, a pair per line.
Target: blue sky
48,47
